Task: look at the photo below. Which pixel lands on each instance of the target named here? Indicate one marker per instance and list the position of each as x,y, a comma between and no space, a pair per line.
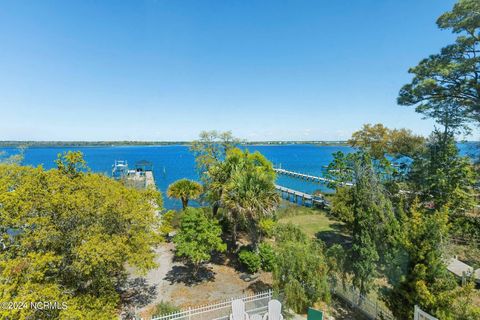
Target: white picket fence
254,304
258,304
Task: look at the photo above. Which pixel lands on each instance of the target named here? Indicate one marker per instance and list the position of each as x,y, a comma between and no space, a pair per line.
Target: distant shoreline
34,144
60,144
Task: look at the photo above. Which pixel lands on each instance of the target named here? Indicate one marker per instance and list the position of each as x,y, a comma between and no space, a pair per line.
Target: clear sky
165,70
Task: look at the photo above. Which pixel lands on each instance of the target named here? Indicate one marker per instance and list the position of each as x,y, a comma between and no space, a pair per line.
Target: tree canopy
418,274
379,141
211,148
446,85
300,269
441,176
185,190
198,237
245,185
68,237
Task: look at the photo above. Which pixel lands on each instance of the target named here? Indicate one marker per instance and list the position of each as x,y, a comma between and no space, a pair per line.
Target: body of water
175,162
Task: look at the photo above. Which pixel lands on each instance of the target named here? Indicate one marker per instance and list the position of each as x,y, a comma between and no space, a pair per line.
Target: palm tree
249,195
184,190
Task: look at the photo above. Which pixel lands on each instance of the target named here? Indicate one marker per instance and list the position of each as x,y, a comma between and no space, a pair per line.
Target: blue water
175,162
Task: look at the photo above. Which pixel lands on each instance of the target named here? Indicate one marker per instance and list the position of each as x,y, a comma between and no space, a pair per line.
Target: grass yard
311,221
314,222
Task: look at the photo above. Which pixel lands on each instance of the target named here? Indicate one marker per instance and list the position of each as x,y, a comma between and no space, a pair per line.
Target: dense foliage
446,85
373,223
418,274
245,183
399,223
442,176
198,238
300,270
267,256
250,259
379,141
68,237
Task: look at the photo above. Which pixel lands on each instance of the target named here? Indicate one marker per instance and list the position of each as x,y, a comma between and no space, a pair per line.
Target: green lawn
312,221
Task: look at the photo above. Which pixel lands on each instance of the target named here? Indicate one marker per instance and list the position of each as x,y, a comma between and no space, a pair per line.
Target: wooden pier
306,199
141,177
307,177
149,180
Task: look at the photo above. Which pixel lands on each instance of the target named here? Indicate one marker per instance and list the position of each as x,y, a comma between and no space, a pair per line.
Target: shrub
166,223
267,256
267,227
250,259
301,273
289,232
165,307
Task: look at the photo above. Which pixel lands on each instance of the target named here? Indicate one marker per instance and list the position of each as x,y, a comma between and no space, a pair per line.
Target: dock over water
141,177
307,177
149,180
305,199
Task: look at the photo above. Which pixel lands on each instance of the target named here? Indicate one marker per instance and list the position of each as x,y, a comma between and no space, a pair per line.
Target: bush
267,227
250,259
164,308
267,256
289,232
301,273
166,223
198,237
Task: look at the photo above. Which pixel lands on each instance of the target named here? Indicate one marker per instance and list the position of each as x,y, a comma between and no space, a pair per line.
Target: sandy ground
172,281
156,277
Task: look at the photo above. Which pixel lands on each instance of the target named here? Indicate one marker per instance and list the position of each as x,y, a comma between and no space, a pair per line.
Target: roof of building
461,269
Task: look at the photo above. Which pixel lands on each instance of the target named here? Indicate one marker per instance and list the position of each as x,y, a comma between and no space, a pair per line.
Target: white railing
254,304
371,309
419,314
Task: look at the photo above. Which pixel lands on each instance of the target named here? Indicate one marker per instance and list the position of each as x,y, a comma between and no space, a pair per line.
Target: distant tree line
152,143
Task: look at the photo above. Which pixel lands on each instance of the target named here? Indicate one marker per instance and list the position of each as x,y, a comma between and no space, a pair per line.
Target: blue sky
165,70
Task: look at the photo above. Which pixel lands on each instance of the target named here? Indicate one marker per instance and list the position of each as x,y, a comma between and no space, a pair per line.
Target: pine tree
374,224
421,276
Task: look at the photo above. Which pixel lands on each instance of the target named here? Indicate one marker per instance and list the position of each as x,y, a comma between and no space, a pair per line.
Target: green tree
288,232
300,272
442,176
198,237
69,236
184,190
249,194
374,224
337,263
210,150
418,274
372,139
71,163
459,303
380,141
166,223
446,86
342,205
